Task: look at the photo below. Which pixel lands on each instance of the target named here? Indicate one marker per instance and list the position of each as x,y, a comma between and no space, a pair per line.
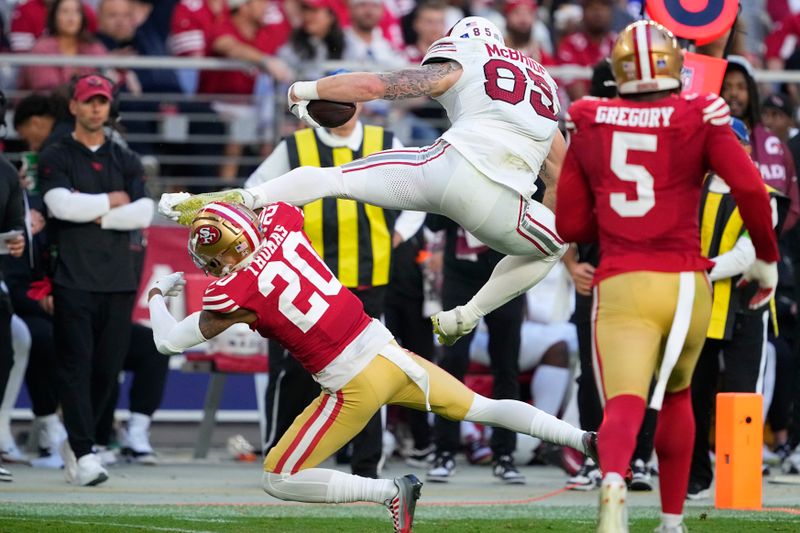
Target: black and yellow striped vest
354,239
721,226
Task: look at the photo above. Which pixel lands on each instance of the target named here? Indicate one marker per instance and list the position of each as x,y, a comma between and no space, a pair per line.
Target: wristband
306,90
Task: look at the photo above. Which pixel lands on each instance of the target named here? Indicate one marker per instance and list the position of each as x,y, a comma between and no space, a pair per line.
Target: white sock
321,485
138,422
524,418
548,387
512,276
671,520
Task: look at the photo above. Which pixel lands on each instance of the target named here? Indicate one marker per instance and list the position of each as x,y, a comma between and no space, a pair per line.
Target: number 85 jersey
297,300
503,110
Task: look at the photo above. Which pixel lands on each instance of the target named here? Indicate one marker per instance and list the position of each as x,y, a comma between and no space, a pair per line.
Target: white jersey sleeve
503,109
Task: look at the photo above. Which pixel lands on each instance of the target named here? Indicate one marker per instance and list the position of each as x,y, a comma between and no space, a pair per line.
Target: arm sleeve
277,164
75,206
727,158
735,261
575,217
409,223
135,215
170,336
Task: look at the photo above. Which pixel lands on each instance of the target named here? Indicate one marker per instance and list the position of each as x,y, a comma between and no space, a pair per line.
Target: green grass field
52,518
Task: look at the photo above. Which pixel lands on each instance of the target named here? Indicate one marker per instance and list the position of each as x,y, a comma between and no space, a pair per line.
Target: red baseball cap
93,85
511,5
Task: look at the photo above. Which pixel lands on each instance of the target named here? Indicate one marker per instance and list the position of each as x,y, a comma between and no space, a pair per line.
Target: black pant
590,409
780,411
149,369
92,333
6,348
504,324
742,356
41,377
413,331
291,388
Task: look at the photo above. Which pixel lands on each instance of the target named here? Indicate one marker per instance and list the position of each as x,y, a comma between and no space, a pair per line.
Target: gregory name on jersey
643,117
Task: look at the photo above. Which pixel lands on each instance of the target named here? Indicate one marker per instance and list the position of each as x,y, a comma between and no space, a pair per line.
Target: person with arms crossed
480,173
623,186
272,279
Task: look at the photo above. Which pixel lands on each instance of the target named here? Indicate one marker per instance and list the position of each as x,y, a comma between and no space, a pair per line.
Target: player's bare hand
118,198
168,286
766,275
582,275
16,246
46,304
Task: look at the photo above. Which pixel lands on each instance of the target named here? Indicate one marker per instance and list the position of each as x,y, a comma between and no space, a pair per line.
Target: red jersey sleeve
727,158
782,41
575,214
286,215
219,296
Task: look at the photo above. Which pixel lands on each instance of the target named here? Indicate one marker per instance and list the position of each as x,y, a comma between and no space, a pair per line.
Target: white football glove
766,275
171,285
166,206
299,108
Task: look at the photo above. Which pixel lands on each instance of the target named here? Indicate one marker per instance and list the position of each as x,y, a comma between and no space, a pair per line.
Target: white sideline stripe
676,338
644,53
113,524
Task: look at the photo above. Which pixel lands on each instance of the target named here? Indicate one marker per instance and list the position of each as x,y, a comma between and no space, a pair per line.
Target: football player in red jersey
632,179
271,278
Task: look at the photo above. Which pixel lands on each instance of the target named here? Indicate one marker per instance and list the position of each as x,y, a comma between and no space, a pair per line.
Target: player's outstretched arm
427,80
172,337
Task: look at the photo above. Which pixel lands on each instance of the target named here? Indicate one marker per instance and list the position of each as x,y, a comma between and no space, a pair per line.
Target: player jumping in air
632,179
272,279
480,173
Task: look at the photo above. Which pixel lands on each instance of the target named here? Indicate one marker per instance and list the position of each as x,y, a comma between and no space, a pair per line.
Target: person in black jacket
11,219
95,196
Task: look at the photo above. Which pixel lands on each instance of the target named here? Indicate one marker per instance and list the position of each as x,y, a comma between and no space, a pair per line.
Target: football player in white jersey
481,173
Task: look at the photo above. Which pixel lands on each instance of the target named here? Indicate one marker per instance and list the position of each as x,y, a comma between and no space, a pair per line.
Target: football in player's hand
330,114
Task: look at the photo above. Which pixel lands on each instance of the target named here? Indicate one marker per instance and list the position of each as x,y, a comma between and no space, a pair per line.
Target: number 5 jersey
503,110
638,168
299,302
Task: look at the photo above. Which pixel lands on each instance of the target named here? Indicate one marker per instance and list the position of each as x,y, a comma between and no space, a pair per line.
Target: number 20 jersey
503,110
296,298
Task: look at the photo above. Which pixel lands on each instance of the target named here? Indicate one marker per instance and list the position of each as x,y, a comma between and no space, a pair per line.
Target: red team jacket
633,175
297,299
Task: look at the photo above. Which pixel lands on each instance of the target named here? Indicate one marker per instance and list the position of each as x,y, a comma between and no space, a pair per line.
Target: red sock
616,439
674,449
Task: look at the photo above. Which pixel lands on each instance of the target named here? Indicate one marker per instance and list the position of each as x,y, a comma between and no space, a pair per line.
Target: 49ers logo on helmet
208,235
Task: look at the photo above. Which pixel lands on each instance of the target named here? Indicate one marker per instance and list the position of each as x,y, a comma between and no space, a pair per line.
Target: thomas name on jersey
643,117
272,243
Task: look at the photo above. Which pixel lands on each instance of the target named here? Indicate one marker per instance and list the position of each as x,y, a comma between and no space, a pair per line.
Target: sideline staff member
94,193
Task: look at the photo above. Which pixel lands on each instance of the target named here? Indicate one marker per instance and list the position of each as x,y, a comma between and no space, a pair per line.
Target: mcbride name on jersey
297,299
503,110
645,163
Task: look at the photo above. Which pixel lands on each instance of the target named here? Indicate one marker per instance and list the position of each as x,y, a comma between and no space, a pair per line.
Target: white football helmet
477,28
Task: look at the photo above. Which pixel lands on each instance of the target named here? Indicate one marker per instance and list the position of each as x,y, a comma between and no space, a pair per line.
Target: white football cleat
449,326
613,512
90,471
